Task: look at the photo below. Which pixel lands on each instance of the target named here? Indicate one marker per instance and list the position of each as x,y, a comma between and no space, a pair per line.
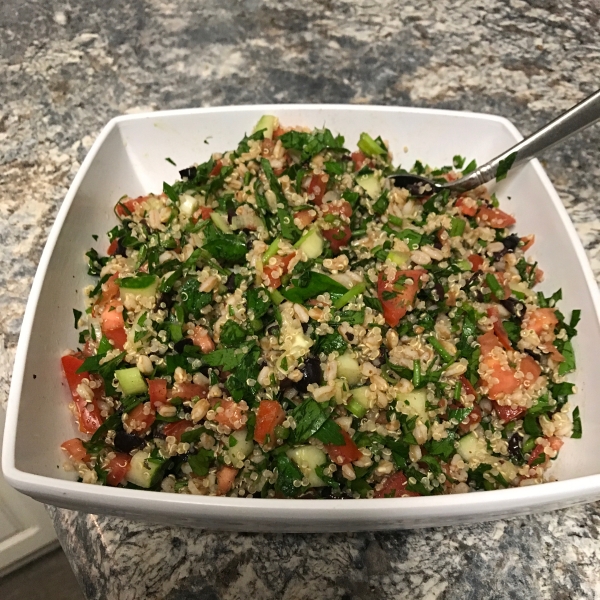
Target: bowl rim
217,506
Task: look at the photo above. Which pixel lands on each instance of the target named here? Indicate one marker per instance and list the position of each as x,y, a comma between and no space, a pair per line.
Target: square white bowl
129,158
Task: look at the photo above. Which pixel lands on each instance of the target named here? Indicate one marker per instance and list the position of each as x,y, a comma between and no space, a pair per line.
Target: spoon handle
575,119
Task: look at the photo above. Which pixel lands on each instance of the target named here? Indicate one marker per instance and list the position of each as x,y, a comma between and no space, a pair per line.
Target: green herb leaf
77,315
504,166
309,418
330,433
332,342
314,284
287,473
200,463
227,359
232,334
577,431
136,283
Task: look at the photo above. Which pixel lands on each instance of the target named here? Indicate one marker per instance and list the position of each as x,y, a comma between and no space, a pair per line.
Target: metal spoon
584,114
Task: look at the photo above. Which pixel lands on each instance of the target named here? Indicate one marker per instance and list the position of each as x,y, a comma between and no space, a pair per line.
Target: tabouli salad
283,322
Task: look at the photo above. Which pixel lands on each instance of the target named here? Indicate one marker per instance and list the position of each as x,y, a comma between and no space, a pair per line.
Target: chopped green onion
444,354
395,220
416,373
369,146
457,390
359,288
494,286
271,250
356,408
276,297
464,265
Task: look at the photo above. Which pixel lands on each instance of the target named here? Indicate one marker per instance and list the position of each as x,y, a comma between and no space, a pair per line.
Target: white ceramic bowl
129,158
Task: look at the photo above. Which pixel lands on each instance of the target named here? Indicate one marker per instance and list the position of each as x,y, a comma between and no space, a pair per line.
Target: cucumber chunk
220,222
239,449
145,473
266,122
311,243
370,183
398,258
361,401
131,381
348,367
472,447
308,458
413,403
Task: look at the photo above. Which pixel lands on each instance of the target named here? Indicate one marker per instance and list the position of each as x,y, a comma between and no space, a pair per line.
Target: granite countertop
67,68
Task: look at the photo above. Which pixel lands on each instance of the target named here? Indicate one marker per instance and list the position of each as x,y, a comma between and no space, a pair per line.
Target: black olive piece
312,373
286,384
533,354
181,344
439,290
514,307
437,243
478,295
349,336
190,173
168,298
230,214
120,250
126,442
511,241
230,283
305,327
515,446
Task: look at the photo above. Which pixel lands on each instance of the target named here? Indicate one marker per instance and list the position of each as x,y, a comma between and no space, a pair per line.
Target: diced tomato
395,308
117,468
217,168
188,391
202,339
508,413
225,478
468,386
473,418
528,241
278,132
507,382
535,453
555,443
345,454
127,207
141,418
395,487
476,261
202,213
359,159
231,416
465,209
338,207
338,237
157,388
88,413
269,415
177,429
540,320
499,330
488,341
113,326
277,271
530,367
110,289
75,449
304,217
494,217
112,248
317,187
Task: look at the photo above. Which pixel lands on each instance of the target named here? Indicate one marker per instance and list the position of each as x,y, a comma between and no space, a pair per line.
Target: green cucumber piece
348,367
311,243
472,447
220,222
398,258
131,381
370,183
266,122
239,448
145,473
308,458
413,403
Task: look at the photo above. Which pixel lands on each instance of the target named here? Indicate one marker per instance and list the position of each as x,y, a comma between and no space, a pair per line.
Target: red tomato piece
118,467
528,241
338,207
110,289
338,237
202,213
128,206
277,271
304,217
202,339
177,429
141,418
394,308
88,413
188,391
359,159
157,389
395,487
113,326
225,478
541,319
488,341
508,413
499,330
530,368
535,453
217,168
278,132
494,217
317,187
269,415
345,454
476,261
231,416
118,337
507,382
468,386
464,207
74,448
112,247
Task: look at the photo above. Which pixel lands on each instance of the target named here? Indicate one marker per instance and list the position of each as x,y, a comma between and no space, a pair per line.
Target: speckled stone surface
67,68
